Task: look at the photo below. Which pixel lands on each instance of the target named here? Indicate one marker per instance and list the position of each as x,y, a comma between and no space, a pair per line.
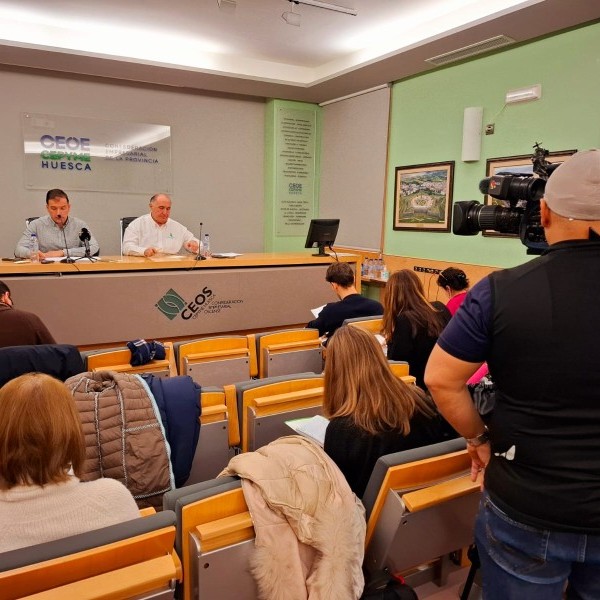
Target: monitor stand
321,251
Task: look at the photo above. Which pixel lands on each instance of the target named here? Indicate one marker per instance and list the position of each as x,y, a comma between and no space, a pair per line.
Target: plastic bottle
34,249
385,274
206,245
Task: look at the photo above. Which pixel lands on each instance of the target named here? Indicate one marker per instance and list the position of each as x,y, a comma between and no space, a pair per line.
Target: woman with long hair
411,324
371,411
42,451
455,283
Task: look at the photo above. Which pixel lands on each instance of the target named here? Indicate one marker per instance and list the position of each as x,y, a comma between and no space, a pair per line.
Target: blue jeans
519,562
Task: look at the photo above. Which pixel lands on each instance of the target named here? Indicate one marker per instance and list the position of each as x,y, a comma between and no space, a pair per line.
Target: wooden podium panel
94,306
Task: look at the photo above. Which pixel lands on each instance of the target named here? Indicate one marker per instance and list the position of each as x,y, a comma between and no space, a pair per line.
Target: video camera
523,193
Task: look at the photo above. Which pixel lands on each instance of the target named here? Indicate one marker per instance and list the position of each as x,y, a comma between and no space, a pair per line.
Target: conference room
257,118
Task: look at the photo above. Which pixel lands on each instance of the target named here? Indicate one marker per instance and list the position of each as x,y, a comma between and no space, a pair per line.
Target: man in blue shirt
538,327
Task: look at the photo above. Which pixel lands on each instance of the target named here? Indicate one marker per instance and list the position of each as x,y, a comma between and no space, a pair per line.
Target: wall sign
76,153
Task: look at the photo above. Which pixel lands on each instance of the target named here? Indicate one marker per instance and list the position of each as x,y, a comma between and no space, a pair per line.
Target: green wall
275,243
426,126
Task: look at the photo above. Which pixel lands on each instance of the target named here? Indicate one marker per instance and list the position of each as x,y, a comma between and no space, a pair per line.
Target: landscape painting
423,197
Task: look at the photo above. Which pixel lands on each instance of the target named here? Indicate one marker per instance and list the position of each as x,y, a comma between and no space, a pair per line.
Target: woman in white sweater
41,452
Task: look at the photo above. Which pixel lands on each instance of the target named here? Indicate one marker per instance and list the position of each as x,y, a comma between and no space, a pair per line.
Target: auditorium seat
119,360
216,361
215,538
134,559
371,324
264,405
289,351
213,450
421,506
123,225
423,496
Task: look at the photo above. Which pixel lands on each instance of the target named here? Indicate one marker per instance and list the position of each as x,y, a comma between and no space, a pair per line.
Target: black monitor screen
321,233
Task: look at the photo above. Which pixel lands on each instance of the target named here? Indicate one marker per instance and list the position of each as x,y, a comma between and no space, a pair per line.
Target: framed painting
423,197
514,165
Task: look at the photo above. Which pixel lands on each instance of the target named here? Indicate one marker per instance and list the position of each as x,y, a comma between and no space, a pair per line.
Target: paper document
225,255
310,427
316,311
167,257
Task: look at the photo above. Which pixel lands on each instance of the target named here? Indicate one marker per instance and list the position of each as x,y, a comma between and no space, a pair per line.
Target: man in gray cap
538,327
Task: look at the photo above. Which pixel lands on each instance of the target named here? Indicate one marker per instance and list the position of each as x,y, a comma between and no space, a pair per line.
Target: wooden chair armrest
232,414
233,353
441,492
127,582
311,393
274,348
226,531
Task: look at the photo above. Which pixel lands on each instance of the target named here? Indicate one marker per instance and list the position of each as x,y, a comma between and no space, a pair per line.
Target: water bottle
206,245
34,249
385,274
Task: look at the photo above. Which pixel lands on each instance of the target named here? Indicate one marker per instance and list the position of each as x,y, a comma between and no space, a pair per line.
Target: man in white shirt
155,233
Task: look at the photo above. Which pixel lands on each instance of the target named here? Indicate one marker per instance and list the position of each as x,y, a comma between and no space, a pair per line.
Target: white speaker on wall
472,126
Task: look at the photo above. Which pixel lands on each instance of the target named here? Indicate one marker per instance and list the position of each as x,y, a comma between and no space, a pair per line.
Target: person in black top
538,327
341,277
411,324
371,411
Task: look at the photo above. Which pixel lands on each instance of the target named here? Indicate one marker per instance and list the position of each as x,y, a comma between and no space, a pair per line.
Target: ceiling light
291,18
328,6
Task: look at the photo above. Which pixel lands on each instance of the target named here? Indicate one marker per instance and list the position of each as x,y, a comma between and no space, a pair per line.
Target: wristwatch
480,439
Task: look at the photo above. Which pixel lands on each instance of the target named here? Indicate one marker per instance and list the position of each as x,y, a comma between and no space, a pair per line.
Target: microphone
68,259
199,255
85,237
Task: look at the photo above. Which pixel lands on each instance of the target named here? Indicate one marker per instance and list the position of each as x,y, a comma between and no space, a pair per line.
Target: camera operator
538,327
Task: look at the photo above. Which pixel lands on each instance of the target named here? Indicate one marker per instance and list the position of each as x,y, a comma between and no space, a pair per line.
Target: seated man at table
155,233
341,277
58,234
18,327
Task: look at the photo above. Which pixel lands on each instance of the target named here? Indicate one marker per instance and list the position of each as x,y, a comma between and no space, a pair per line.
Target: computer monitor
321,233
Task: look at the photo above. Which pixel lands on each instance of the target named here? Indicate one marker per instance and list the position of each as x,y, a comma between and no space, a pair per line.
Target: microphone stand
68,259
88,253
199,255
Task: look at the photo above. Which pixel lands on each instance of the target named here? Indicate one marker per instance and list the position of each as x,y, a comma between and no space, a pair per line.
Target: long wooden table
124,298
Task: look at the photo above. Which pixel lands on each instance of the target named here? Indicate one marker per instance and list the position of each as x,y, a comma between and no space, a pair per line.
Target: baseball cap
573,190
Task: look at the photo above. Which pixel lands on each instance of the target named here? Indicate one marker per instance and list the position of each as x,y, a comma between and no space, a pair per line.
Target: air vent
473,50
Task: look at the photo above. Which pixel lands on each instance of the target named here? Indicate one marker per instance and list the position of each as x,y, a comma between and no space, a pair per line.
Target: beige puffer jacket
124,437
310,527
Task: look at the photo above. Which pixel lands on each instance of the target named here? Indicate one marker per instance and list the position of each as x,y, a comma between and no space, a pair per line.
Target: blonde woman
411,324
41,453
371,411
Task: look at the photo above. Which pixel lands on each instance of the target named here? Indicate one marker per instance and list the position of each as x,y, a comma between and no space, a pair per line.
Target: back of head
360,384
455,279
56,193
3,288
573,189
404,294
340,273
40,432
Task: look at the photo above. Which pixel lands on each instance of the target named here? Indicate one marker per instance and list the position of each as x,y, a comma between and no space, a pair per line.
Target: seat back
399,368
123,224
372,324
134,559
29,219
215,538
217,361
119,360
264,405
213,449
289,351
421,504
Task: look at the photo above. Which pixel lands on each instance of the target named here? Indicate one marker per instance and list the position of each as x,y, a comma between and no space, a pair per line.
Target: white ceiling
249,49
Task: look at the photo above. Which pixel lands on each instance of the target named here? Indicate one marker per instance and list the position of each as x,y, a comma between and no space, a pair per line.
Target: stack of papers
311,427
